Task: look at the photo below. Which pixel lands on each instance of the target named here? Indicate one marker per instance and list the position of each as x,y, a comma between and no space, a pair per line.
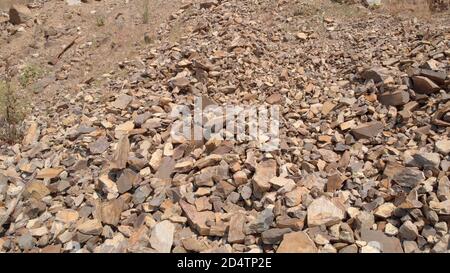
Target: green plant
12,113
29,75
145,15
100,21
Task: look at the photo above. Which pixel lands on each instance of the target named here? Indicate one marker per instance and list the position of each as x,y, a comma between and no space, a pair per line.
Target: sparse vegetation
145,14
29,75
100,21
12,113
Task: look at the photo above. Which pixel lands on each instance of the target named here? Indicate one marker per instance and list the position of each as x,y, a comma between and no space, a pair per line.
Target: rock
385,210
387,244
396,98
110,211
25,241
73,2
408,231
19,14
324,212
390,229
240,178
274,99
120,157
67,216
372,3
377,74
424,160
423,85
99,146
49,173
408,177
236,229
367,130
265,171
274,235
443,146
126,180
334,182
37,190
294,198
262,222
197,219
162,236
297,242
443,190
32,134
91,227
122,101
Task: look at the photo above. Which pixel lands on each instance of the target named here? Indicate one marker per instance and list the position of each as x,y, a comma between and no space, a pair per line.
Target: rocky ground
363,164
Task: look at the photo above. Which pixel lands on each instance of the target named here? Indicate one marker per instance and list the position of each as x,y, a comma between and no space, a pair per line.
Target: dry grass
12,113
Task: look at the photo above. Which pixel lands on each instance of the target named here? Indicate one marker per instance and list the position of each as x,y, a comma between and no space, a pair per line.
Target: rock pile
363,164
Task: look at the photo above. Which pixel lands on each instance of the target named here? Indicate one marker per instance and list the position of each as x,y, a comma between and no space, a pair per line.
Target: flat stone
367,130
120,157
443,146
274,235
122,101
126,180
423,85
388,244
297,242
49,173
162,236
91,227
236,230
110,211
265,171
324,212
396,98
99,146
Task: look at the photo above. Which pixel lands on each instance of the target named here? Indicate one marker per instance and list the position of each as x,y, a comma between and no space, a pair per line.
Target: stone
408,177
423,85
377,74
408,231
32,134
197,219
99,146
274,235
396,98
162,236
91,227
127,179
37,190
236,230
294,198
335,182
122,101
385,210
49,173
110,211
25,241
297,242
67,216
324,212
120,157
19,14
262,222
367,130
265,171
240,178
443,146
387,244
390,229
